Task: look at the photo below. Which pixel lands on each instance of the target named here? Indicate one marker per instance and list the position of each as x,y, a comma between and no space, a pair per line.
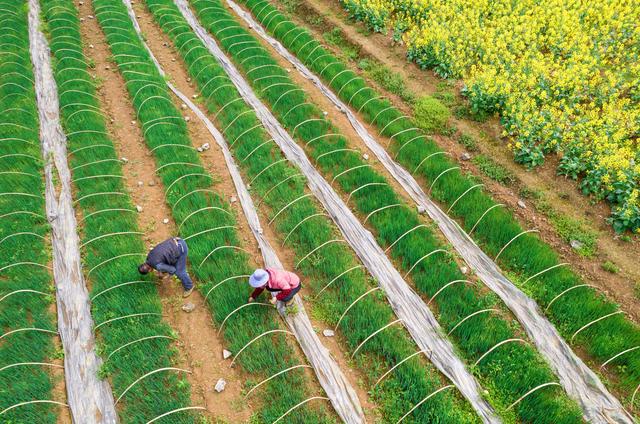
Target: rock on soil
188,307
139,208
328,333
521,204
422,210
226,354
220,385
465,156
576,244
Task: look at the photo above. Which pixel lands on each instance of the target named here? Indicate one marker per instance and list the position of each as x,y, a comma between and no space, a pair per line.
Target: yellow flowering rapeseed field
564,75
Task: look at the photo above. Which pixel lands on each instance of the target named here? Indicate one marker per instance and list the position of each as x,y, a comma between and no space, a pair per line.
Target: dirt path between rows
213,160
199,346
558,191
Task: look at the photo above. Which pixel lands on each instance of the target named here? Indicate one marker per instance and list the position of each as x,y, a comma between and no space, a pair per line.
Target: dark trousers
292,293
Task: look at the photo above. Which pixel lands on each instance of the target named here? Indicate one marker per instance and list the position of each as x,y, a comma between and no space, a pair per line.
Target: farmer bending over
283,285
170,256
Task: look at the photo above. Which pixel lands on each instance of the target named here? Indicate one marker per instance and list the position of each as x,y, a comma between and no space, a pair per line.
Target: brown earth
213,160
200,349
561,193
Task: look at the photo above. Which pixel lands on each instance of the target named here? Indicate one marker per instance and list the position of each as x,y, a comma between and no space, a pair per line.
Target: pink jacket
282,280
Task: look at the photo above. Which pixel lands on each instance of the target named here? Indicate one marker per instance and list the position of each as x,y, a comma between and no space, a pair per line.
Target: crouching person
170,256
283,286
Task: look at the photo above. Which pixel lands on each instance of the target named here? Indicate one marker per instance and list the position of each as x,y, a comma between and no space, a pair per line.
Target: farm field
232,126
563,77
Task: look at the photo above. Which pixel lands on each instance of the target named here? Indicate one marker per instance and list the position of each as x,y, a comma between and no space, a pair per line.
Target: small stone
81,3
140,183
133,122
165,44
226,354
151,183
139,208
576,244
464,270
521,204
422,210
365,156
165,221
465,156
220,385
233,199
187,119
325,113
107,67
328,333
173,59
188,79
188,307
288,70
123,159
113,120
183,106
81,19
90,46
90,16
199,149
195,96
206,146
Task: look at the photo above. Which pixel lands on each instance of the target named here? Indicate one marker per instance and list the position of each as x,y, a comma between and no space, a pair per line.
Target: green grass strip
253,152
23,232
508,372
200,211
524,258
97,169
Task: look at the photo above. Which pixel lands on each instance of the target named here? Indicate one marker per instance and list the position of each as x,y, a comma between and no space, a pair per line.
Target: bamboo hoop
512,240
274,376
147,375
318,248
239,308
397,365
224,281
173,411
300,404
445,286
462,195
277,185
373,335
482,216
353,168
258,337
22,291
608,361
362,187
221,248
352,304
32,402
566,291
473,314
336,278
497,345
138,341
530,392
545,270
584,327
304,196
380,209
128,283
142,314
300,223
404,234
440,175
423,401
423,258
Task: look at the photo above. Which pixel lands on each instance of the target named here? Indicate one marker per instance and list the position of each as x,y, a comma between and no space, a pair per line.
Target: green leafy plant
430,114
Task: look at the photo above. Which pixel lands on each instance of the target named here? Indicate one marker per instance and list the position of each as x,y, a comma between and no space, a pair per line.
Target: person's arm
257,292
162,267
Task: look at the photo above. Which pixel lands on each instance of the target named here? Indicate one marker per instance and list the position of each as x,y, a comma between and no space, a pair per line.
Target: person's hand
251,299
273,300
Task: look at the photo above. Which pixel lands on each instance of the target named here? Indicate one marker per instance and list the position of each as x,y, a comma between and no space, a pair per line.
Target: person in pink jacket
282,284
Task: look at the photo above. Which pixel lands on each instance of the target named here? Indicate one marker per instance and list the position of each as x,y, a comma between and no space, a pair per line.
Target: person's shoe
187,293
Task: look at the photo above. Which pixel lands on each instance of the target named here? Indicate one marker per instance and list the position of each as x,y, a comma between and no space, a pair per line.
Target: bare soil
199,346
562,193
213,160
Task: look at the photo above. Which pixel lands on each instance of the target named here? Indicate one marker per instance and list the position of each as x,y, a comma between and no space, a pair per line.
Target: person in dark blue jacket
170,256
